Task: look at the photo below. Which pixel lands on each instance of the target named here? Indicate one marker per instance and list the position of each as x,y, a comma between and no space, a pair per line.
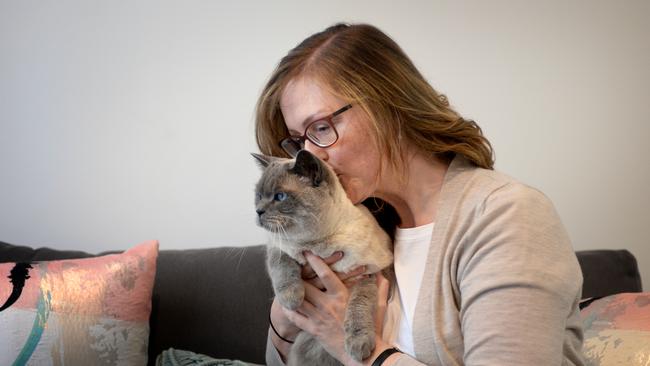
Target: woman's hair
363,66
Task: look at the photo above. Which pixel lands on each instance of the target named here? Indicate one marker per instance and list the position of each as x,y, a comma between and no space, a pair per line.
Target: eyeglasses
320,132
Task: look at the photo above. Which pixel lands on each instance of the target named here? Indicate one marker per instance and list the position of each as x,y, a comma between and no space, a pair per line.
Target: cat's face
293,194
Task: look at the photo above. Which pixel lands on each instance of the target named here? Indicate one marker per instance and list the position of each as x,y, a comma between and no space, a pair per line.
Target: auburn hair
363,66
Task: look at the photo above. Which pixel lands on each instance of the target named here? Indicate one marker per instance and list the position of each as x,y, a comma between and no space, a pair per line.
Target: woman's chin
354,194
353,188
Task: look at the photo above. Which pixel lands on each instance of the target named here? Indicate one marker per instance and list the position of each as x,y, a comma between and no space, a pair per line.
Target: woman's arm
519,283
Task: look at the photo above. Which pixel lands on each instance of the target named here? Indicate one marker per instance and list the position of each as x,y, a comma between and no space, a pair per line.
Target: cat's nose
260,212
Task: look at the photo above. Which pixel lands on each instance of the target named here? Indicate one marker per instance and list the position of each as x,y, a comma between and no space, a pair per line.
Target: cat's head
295,196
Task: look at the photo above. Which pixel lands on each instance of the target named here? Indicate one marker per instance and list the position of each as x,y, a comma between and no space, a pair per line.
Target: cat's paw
291,296
359,344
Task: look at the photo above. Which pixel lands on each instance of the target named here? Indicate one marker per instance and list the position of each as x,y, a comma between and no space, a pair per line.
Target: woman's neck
415,196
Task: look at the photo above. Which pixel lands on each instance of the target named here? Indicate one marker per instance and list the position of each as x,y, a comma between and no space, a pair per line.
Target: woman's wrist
278,333
380,347
389,357
282,326
281,330
386,357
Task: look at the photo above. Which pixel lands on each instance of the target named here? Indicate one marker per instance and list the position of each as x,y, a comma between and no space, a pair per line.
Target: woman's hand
349,278
285,327
323,312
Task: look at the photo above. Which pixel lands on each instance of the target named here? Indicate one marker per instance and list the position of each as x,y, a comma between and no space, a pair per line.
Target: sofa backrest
216,301
212,301
608,272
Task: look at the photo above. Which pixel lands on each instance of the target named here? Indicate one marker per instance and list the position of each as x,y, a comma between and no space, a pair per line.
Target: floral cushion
92,311
617,330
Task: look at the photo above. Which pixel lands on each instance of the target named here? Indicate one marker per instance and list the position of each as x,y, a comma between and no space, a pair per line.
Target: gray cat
304,207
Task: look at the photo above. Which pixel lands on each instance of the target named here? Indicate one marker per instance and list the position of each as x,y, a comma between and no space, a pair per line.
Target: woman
485,271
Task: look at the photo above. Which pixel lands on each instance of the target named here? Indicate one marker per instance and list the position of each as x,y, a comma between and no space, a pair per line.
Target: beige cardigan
502,283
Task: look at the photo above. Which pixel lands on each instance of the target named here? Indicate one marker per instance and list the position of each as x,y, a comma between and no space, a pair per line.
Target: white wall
123,121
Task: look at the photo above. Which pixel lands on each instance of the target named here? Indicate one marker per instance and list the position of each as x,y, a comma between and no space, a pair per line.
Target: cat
305,208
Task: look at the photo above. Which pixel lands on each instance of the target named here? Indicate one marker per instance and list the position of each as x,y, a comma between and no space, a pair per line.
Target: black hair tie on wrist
384,355
278,334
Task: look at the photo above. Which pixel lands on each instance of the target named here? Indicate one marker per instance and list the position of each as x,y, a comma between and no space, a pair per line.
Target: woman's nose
320,152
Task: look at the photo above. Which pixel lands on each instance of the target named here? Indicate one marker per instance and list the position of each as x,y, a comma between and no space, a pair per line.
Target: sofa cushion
87,311
617,330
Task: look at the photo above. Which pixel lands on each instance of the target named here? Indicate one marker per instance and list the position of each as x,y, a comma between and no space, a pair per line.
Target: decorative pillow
92,311
617,330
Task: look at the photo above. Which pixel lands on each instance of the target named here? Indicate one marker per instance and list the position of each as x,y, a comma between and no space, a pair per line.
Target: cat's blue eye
258,196
280,196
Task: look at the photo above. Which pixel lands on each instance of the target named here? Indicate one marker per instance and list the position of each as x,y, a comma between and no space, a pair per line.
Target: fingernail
339,253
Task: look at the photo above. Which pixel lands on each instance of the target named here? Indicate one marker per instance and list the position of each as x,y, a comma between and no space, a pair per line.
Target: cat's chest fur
360,239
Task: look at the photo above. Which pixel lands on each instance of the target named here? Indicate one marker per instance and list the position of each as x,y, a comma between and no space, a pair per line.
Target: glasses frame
301,139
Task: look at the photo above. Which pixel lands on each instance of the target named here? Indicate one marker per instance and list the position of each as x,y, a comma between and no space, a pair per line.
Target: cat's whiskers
286,237
279,235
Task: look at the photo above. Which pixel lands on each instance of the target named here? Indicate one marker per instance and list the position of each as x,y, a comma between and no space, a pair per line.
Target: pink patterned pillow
617,330
92,311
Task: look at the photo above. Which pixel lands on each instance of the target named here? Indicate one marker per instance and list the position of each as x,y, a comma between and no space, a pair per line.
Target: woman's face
354,157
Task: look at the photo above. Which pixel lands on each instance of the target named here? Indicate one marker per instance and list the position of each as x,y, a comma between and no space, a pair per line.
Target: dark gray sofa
216,301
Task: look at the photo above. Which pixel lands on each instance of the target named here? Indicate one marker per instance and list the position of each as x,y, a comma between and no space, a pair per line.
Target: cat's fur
316,215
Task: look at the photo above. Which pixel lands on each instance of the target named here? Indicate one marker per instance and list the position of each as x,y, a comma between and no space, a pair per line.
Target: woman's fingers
298,319
348,278
330,280
308,307
308,272
353,274
383,288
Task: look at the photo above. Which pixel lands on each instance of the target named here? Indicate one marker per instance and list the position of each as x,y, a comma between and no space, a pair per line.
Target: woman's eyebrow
313,117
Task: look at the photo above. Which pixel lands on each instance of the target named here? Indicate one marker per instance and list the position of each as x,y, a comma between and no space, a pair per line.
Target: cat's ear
309,166
263,161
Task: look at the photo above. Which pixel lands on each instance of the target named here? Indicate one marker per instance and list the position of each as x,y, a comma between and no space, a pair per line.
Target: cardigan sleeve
519,283
272,356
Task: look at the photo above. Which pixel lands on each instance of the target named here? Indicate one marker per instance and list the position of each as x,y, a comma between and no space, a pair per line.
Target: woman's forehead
304,100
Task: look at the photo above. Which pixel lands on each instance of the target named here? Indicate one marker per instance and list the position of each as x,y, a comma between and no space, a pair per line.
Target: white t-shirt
410,254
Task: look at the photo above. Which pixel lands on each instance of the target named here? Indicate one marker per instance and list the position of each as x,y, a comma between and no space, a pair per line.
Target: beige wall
126,121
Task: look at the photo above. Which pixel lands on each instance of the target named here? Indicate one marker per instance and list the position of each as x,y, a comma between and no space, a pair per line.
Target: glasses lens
322,133
292,146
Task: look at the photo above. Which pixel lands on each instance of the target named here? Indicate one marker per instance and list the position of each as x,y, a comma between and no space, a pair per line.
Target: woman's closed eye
320,128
